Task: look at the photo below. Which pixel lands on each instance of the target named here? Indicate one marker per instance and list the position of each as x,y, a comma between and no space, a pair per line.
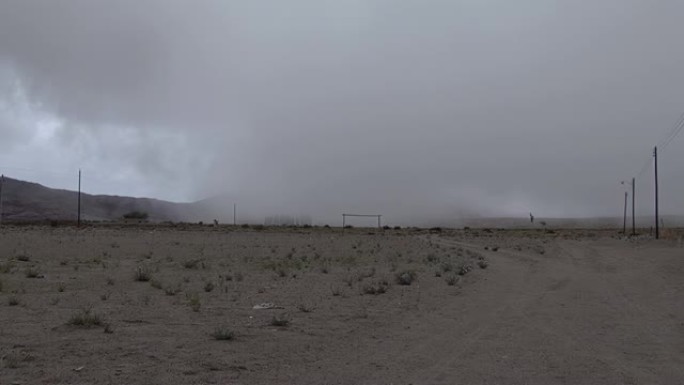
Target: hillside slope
27,201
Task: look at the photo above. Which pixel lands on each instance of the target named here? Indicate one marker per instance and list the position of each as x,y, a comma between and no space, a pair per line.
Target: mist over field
423,111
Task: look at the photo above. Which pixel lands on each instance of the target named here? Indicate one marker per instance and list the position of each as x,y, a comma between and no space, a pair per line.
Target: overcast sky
415,109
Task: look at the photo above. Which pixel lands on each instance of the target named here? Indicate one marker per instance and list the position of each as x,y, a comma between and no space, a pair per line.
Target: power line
646,166
672,132
673,135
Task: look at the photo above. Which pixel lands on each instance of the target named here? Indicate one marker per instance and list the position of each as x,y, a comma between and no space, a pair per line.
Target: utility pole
657,224
624,218
633,210
2,181
79,198
234,214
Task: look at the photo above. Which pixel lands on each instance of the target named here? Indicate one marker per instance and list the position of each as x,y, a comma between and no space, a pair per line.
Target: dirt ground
482,307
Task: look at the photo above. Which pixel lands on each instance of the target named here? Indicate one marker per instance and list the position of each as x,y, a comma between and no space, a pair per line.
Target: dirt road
584,312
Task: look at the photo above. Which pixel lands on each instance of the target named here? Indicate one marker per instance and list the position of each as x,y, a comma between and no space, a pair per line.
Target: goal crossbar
344,218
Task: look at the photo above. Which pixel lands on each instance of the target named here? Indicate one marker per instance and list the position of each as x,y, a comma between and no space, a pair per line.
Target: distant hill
26,201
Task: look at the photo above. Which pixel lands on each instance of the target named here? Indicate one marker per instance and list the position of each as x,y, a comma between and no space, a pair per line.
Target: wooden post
2,182
633,210
657,224
79,198
624,217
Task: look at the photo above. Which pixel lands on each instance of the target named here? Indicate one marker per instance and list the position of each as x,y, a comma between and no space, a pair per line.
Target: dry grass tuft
223,334
85,318
143,274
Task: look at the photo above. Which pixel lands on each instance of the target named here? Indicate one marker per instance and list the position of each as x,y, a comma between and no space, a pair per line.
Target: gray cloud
422,110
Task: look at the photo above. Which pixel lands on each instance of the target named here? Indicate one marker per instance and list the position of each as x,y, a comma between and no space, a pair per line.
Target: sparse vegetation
171,291
85,318
208,287
452,279
465,269
406,277
32,272
280,320
192,264
136,215
143,274
376,287
305,307
194,302
10,361
6,268
222,333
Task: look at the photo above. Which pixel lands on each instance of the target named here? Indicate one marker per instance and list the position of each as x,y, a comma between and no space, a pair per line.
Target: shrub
452,279
483,264
208,287
194,303
305,308
447,267
223,334
375,288
6,268
171,291
32,272
85,318
143,274
406,277
13,301
191,264
136,215
280,320
465,269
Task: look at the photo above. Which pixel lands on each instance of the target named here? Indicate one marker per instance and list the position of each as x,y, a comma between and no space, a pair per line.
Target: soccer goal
344,218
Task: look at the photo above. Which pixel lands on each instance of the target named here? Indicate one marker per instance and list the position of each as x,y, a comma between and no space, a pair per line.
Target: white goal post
344,218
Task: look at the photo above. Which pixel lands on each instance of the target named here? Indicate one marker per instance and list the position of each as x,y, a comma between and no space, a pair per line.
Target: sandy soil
568,307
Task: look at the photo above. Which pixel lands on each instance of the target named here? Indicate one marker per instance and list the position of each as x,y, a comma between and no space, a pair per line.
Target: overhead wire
669,136
672,132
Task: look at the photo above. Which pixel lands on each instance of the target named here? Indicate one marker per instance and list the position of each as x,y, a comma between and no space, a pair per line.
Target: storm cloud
420,110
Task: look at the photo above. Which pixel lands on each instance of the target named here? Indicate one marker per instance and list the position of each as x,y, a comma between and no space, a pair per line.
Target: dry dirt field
162,305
